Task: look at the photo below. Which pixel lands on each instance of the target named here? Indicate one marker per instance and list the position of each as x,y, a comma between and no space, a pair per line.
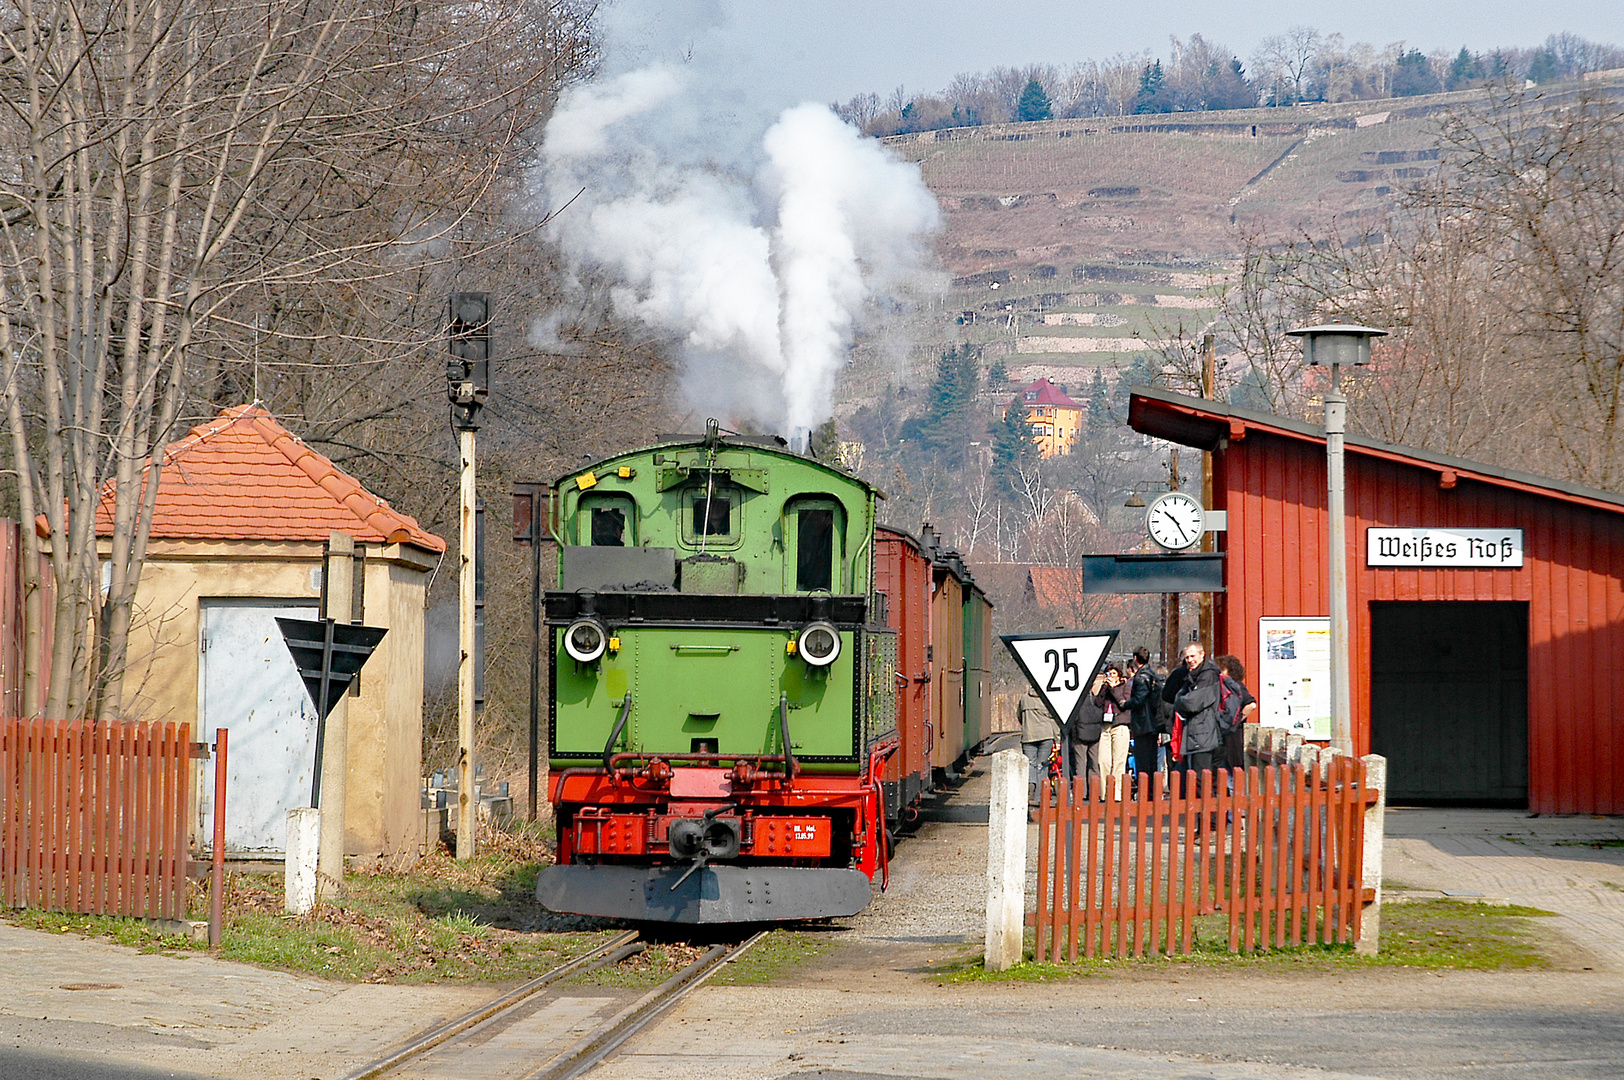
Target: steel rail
611,951
588,1052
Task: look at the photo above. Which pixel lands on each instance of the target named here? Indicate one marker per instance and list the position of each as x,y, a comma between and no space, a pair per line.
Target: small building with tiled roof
1053,416
239,535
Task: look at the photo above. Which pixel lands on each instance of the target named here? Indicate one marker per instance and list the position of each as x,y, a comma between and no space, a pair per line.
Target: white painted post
1006,861
299,871
339,576
1370,921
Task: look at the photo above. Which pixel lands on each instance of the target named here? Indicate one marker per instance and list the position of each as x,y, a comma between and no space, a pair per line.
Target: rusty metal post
1171,645
1209,390
218,875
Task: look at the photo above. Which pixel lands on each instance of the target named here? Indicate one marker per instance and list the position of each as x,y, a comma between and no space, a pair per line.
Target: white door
249,686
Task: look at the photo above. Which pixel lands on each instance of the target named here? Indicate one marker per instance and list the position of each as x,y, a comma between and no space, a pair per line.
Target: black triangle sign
328,655
1060,665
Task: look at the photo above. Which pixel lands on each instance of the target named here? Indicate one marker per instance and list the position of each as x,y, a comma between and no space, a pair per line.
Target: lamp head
1336,344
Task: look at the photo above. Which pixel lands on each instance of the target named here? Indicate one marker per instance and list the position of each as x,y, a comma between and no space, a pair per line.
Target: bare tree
173,166
1282,62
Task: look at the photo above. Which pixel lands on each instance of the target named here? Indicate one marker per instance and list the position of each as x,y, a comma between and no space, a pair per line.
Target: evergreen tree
1465,72
1099,408
1229,88
1034,104
948,423
1413,75
1152,96
997,375
1544,67
1011,444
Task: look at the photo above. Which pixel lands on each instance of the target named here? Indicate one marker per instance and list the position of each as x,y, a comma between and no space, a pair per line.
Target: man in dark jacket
1194,692
1148,734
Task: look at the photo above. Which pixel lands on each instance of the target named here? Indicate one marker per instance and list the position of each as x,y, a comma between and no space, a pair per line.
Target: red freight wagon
903,574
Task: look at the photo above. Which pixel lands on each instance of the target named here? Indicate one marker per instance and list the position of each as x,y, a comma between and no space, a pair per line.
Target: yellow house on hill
1054,417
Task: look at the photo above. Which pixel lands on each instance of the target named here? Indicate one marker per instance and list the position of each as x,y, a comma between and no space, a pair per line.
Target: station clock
1175,521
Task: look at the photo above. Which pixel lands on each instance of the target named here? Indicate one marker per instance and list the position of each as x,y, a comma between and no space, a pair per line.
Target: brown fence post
217,877
1370,923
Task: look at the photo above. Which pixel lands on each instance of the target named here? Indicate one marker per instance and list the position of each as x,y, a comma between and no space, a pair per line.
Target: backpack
1162,710
1229,705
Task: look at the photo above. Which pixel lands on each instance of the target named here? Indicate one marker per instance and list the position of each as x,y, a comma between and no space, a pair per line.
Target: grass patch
1609,842
772,956
442,921
1442,934
135,933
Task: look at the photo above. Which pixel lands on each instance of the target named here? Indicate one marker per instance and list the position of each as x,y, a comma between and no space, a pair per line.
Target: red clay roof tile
243,476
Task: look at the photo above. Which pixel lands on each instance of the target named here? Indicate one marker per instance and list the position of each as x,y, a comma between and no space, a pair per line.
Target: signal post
468,384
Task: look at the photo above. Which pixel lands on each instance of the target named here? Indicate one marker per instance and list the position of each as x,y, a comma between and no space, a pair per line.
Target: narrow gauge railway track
584,1053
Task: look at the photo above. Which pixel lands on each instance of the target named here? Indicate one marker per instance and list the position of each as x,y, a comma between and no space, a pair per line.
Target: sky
828,50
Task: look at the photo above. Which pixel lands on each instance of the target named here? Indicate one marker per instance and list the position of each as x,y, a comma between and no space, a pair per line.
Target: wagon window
814,550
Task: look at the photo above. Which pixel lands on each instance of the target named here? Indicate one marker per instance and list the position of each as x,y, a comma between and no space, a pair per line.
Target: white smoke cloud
757,240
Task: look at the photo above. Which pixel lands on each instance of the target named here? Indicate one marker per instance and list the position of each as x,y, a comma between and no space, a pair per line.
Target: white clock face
1175,521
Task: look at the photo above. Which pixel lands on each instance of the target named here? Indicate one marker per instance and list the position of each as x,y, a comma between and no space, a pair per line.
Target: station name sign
1444,548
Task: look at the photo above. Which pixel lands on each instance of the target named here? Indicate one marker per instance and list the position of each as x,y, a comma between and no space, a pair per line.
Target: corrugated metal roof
1202,424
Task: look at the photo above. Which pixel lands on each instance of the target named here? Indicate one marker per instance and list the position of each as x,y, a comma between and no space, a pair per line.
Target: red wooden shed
1485,676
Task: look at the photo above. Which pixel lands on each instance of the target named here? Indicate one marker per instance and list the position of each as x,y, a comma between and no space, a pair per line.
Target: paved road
871,1010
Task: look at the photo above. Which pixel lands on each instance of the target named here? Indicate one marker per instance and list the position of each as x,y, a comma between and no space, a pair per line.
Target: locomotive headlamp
819,644
585,640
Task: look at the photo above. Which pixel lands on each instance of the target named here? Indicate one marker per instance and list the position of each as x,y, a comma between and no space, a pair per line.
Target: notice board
1294,675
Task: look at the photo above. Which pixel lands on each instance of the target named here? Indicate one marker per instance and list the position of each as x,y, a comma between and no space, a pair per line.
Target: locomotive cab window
608,521
710,517
817,541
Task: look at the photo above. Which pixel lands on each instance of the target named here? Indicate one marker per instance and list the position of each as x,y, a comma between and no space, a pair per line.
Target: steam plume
756,239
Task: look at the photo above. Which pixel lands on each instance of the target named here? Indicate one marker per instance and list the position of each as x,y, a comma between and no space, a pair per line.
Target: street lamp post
1334,346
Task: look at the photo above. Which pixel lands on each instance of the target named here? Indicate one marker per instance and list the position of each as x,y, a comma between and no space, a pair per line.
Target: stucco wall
382,817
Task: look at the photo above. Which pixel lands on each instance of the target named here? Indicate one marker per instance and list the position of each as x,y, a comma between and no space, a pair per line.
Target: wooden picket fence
94,817
1277,849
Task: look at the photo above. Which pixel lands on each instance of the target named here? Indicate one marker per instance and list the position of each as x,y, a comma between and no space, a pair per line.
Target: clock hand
1175,523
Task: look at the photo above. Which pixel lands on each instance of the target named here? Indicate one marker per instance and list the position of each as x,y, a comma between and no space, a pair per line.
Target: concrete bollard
1006,861
299,870
1370,919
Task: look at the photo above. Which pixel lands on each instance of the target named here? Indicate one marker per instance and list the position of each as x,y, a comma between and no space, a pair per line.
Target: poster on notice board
1294,676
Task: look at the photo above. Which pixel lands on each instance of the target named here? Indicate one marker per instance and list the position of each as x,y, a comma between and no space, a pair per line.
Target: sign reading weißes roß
1496,548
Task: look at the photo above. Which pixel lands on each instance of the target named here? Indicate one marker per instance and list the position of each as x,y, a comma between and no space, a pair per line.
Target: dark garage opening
1449,700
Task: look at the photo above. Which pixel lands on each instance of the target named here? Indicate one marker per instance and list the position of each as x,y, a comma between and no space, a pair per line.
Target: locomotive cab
719,698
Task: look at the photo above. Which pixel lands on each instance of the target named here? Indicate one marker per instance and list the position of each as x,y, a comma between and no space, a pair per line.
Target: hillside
1075,244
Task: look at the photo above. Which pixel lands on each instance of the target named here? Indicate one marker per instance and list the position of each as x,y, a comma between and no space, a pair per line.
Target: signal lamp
585,640
819,644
